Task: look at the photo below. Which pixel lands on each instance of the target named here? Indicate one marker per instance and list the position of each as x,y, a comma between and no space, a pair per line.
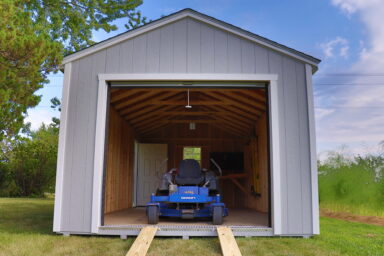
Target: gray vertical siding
78,166
188,46
194,46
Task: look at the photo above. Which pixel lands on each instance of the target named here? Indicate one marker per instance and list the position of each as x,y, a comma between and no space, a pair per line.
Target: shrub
352,184
30,165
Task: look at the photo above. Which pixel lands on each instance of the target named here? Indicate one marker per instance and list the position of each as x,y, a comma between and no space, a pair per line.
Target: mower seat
189,173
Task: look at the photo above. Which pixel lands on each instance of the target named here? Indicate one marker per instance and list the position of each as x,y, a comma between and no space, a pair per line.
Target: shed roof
202,18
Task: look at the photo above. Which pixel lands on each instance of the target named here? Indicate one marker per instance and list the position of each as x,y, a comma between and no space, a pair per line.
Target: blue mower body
187,193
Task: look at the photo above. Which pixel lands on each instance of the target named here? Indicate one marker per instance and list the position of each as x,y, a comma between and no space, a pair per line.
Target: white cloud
38,116
352,150
338,47
351,125
371,13
353,6
320,113
359,119
348,6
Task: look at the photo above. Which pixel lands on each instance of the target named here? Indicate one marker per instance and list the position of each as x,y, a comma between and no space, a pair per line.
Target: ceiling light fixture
188,106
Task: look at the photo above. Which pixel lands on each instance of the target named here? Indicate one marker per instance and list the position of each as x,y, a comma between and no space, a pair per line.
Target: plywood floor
236,217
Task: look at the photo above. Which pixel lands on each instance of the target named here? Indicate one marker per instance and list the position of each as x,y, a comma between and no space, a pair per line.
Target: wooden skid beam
228,243
142,242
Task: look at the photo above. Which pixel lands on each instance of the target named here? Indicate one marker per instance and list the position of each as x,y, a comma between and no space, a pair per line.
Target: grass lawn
363,210
26,229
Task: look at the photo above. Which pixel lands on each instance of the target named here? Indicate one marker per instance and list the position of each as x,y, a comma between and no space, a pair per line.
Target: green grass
352,186
361,210
26,224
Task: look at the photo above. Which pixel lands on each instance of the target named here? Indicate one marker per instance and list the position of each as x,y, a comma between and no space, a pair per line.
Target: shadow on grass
26,215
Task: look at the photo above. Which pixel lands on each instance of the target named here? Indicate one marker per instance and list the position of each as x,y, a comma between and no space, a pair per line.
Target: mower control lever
217,166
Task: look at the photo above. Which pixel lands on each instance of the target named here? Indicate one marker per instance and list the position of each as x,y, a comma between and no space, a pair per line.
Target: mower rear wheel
217,216
153,214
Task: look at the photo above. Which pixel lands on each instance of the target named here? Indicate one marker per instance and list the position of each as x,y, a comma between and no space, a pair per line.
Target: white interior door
150,160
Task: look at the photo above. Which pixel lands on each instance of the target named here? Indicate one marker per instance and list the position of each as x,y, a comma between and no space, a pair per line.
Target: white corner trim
313,154
275,157
61,149
101,124
173,18
99,156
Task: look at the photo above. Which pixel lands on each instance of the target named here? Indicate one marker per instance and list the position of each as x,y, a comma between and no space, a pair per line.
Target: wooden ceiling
147,109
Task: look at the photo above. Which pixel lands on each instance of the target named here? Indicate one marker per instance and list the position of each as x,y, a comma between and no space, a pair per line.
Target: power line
354,107
350,74
349,84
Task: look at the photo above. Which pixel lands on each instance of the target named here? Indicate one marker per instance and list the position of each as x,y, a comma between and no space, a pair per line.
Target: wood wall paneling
119,167
259,202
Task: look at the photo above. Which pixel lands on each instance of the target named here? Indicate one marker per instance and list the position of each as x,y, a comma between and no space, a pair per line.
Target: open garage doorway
151,128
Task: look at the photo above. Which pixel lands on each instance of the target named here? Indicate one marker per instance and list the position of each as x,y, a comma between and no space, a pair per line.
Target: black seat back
189,173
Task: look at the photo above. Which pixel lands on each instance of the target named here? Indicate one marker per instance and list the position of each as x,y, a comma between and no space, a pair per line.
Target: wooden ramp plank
142,242
227,241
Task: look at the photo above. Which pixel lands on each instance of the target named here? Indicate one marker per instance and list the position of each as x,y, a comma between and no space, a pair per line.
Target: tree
71,21
34,35
56,104
30,166
27,55
28,161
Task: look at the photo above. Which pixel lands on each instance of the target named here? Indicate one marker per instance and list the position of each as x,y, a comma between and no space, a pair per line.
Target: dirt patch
379,221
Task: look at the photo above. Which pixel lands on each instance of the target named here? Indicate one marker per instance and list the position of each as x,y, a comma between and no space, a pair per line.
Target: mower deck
237,217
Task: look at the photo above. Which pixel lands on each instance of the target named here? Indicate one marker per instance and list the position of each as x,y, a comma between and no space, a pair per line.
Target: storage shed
124,113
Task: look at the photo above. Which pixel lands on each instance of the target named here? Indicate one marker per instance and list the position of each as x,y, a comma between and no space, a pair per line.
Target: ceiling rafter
237,116
235,111
137,99
153,114
229,101
246,99
144,103
120,94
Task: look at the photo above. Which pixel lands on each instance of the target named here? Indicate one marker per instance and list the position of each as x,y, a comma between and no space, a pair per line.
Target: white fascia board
61,150
173,18
187,77
313,154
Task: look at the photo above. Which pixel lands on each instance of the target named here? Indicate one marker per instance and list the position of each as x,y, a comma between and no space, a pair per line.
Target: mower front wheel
217,216
153,214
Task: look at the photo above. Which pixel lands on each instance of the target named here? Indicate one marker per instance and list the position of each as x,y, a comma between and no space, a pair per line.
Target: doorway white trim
102,102
134,192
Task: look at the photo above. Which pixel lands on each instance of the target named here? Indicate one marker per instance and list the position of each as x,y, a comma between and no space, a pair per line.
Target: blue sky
348,35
